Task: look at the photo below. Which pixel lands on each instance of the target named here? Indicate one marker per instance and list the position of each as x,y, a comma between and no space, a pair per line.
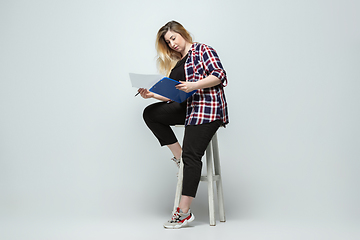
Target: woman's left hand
187,86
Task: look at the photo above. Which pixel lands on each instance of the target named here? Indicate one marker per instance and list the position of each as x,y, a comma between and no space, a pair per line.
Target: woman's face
175,41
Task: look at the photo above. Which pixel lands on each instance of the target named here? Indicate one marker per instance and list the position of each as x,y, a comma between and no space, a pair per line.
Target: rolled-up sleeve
213,64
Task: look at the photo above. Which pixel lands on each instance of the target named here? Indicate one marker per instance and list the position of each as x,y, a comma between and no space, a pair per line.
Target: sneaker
176,161
179,219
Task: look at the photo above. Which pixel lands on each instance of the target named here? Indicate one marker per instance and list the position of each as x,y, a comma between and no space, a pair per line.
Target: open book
161,85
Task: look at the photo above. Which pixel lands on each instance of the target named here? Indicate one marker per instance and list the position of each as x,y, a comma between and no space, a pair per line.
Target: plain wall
72,138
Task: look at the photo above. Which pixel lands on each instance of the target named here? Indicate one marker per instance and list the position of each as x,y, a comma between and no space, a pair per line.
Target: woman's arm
147,94
212,63
212,66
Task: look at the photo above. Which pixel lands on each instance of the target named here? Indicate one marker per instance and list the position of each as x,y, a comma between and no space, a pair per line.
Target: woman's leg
185,203
196,140
176,150
159,117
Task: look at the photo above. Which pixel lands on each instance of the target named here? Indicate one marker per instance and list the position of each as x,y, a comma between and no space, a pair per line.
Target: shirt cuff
220,74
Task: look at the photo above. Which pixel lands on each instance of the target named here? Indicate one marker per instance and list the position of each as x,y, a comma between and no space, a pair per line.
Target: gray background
73,143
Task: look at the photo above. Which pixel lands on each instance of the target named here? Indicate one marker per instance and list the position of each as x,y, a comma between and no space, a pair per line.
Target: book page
144,80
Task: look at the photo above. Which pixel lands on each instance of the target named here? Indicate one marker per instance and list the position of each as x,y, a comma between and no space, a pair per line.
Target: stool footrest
206,178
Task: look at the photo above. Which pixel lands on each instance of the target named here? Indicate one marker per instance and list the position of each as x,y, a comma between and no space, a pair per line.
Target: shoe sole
183,224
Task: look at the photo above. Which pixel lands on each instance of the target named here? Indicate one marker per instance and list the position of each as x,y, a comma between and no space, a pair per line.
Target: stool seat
213,174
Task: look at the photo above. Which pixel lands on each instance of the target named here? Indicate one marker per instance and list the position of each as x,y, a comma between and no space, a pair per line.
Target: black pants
160,116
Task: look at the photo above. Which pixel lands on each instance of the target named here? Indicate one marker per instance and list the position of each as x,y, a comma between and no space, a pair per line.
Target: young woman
198,67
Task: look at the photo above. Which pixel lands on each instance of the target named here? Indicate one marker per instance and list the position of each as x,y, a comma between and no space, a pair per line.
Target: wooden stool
213,174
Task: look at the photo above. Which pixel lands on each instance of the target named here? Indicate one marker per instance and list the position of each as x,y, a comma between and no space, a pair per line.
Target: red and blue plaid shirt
208,104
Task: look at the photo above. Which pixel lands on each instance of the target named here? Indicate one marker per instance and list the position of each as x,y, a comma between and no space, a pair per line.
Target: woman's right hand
145,93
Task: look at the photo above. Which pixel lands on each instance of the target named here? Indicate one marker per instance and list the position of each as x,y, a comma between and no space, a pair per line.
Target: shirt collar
193,46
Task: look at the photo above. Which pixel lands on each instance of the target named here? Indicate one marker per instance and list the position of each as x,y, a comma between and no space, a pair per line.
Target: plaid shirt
208,104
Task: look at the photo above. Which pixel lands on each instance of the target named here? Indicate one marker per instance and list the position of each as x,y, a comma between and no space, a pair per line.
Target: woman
198,67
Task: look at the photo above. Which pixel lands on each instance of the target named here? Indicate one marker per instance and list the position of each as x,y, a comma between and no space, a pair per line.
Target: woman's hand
187,86
145,93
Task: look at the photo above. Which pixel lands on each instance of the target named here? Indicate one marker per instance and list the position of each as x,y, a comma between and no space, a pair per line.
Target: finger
142,91
179,86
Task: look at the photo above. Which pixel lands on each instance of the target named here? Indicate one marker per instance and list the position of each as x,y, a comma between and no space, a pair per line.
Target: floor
91,229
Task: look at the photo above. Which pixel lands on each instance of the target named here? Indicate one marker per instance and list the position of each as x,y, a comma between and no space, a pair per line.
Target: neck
186,50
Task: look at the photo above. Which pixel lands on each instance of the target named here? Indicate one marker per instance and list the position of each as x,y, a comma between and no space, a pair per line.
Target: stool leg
179,186
210,185
219,182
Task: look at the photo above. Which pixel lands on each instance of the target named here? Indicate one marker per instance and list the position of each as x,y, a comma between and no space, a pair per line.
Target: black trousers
160,116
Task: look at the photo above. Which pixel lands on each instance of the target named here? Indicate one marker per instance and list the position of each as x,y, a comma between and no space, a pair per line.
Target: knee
192,159
147,113
150,113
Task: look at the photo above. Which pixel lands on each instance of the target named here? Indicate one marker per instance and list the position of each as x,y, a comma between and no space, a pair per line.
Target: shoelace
175,217
176,161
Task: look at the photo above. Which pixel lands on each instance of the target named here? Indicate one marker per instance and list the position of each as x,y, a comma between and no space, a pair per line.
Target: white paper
144,80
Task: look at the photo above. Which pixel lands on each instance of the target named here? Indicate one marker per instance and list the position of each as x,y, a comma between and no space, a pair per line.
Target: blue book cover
166,88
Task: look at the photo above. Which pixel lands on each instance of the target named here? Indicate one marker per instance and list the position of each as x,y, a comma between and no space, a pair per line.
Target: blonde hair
166,57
